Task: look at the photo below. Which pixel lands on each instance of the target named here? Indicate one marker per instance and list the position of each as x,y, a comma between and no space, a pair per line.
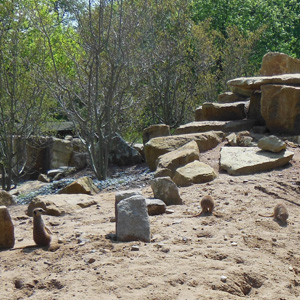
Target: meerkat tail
266,216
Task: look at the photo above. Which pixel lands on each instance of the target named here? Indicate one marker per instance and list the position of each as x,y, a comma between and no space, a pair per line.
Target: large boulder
59,205
132,220
161,145
7,237
166,190
83,185
155,130
280,108
275,63
60,153
6,198
250,160
123,154
169,162
194,173
222,111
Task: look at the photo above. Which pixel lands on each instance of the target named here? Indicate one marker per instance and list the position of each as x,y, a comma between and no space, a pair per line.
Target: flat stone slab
224,126
251,160
254,83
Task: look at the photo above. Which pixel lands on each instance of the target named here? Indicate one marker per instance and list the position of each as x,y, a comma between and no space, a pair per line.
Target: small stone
135,248
223,278
91,260
169,211
291,268
233,244
225,237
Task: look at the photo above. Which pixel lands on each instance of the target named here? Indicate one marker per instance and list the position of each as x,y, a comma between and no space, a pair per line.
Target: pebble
291,268
169,211
223,278
135,248
233,243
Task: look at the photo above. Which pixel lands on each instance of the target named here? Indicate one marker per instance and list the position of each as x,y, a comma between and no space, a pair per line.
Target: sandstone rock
155,207
6,198
83,185
275,63
133,220
58,205
161,145
60,153
242,138
271,143
166,190
254,111
250,160
139,147
280,108
44,178
193,173
224,126
230,97
156,130
169,162
79,160
255,83
222,111
123,154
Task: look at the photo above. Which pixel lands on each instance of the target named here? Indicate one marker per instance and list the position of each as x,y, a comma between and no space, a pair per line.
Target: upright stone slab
166,190
155,130
133,220
7,237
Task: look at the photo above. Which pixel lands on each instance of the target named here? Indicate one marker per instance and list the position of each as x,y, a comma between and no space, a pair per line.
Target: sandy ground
234,254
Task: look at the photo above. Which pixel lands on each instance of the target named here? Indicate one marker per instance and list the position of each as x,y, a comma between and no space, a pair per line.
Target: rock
155,207
139,147
63,171
230,97
254,111
79,160
275,63
83,185
169,162
193,173
242,138
59,205
271,143
123,154
280,108
60,153
166,190
161,145
44,178
6,198
133,220
7,237
156,130
254,83
222,111
250,160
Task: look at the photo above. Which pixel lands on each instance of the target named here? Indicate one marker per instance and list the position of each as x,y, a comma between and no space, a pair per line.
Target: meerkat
42,235
207,205
280,213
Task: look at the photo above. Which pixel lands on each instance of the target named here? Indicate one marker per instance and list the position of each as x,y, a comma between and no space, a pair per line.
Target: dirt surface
234,254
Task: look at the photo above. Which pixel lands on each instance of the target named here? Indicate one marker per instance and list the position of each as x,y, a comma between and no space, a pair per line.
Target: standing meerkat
207,205
41,233
280,213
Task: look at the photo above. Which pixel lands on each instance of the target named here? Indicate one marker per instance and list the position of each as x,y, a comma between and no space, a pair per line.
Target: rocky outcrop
59,205
169,162
250,160
166,190
271,143
280,108
155,130
133,220
275,63
210,111
83,185
161,145
194,173
7,236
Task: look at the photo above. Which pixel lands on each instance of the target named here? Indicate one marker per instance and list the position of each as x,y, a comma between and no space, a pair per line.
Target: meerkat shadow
281,223
32,248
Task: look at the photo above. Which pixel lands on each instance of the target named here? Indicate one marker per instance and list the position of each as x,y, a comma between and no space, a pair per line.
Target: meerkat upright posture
41,233
280,213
